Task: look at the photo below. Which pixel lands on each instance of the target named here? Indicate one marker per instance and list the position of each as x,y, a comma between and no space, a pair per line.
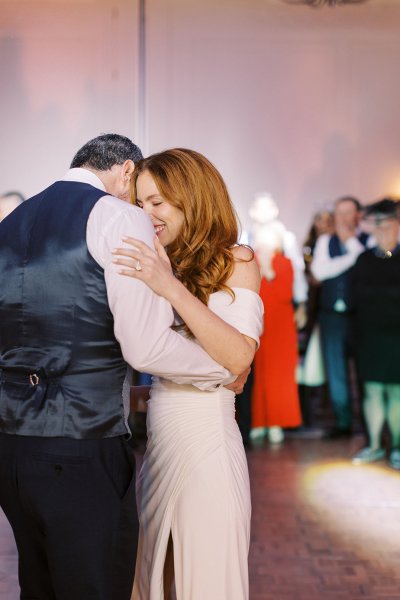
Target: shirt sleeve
324,266
142,319
291,250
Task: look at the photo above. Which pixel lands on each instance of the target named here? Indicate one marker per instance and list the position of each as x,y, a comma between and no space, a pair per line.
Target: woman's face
167,219
324,223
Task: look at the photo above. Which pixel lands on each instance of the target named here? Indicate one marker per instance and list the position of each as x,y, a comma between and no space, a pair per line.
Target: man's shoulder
110,205
113,218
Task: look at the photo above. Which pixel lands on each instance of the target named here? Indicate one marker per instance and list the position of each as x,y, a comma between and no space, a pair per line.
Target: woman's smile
167,219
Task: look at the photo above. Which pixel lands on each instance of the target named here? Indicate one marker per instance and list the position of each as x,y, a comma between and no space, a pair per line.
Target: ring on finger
138,266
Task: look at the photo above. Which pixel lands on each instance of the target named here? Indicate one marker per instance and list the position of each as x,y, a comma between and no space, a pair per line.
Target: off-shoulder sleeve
245,312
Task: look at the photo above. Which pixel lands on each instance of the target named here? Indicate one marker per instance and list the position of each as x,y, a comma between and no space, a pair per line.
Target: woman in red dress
275,400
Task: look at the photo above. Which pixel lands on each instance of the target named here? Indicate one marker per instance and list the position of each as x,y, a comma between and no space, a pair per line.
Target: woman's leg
393,413
393,418
374,411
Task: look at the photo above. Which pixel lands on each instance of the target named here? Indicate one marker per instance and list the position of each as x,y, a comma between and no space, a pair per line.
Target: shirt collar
84,176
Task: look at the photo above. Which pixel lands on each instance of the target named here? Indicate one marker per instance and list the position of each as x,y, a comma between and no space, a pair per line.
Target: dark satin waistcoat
340,287
61,368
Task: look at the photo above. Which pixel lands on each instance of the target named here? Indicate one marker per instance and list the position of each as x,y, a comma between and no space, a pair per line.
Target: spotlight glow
361,496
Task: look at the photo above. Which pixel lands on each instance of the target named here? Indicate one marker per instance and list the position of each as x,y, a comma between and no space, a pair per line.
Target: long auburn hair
201,256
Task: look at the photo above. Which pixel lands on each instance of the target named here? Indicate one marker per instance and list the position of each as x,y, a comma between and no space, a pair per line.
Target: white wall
288,99
68,71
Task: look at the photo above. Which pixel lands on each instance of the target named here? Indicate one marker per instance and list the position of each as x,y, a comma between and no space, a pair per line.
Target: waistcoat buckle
34,379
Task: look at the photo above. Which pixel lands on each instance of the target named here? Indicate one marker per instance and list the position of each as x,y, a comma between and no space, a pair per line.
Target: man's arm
323,266
292,250
143,320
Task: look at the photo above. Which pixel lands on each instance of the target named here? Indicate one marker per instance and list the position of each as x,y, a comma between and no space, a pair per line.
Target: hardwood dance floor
322,528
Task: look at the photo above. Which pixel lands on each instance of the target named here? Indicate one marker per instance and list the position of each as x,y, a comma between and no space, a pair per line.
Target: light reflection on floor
358,502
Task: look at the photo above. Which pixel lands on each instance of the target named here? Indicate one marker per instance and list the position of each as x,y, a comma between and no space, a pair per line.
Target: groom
68,325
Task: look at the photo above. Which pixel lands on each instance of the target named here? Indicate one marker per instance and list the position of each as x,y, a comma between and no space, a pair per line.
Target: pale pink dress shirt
142,319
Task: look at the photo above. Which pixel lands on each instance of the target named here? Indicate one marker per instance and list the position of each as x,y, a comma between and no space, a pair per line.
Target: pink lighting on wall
318,3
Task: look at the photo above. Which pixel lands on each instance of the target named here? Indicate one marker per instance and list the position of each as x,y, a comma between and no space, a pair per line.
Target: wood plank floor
321,528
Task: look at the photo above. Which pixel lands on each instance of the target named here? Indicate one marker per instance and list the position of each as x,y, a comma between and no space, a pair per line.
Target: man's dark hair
356,202
105,151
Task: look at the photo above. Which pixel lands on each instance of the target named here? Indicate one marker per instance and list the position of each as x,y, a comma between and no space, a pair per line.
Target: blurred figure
275,401
264,213
311,372
377,302
8,202
322,223
334,258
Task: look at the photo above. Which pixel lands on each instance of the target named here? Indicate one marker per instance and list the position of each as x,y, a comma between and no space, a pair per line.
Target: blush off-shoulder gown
194,483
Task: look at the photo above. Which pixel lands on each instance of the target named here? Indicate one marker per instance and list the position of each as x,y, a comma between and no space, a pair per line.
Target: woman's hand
141,262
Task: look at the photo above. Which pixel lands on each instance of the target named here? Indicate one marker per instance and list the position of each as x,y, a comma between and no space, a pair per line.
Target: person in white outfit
193,489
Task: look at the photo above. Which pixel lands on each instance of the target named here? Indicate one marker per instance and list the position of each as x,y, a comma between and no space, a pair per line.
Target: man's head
347,214
383,217
112,158
8,202
264,209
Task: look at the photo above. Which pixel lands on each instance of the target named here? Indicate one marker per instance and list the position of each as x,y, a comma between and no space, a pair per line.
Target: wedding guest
377,302
311,372
334,259
275,400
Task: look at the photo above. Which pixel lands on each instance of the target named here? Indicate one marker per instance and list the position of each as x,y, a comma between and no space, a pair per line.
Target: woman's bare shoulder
242,252
246,272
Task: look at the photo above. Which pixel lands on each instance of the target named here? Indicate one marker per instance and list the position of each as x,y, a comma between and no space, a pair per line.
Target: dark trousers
71,504
243,407
337,347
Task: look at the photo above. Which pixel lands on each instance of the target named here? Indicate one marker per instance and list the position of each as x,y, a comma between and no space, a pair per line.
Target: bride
193,489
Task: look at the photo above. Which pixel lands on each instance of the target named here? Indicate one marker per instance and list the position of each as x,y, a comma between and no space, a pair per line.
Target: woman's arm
222,342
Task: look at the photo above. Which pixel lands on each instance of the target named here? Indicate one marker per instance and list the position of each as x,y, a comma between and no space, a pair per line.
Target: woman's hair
201,256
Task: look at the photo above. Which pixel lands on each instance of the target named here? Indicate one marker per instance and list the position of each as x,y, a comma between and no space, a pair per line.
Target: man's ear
127,169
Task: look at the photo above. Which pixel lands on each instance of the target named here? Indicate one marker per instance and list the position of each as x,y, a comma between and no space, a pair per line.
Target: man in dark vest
334,258
69,323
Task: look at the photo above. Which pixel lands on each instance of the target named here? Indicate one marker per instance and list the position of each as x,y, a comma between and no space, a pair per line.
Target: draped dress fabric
194,482
275,399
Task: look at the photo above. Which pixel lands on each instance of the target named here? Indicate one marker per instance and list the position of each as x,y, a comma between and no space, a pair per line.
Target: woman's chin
163,239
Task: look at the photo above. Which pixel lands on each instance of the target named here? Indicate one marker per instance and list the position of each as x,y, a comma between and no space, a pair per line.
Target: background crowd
331,326
337,342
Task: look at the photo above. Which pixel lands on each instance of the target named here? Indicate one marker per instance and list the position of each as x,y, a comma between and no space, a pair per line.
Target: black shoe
337,432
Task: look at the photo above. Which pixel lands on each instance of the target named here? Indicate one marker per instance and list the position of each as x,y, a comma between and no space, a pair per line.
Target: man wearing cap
377,302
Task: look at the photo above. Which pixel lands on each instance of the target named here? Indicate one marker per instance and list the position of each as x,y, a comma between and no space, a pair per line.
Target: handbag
312,371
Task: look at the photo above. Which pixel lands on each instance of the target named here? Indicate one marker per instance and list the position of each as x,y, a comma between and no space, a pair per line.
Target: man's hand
300,315
238,385
345,231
